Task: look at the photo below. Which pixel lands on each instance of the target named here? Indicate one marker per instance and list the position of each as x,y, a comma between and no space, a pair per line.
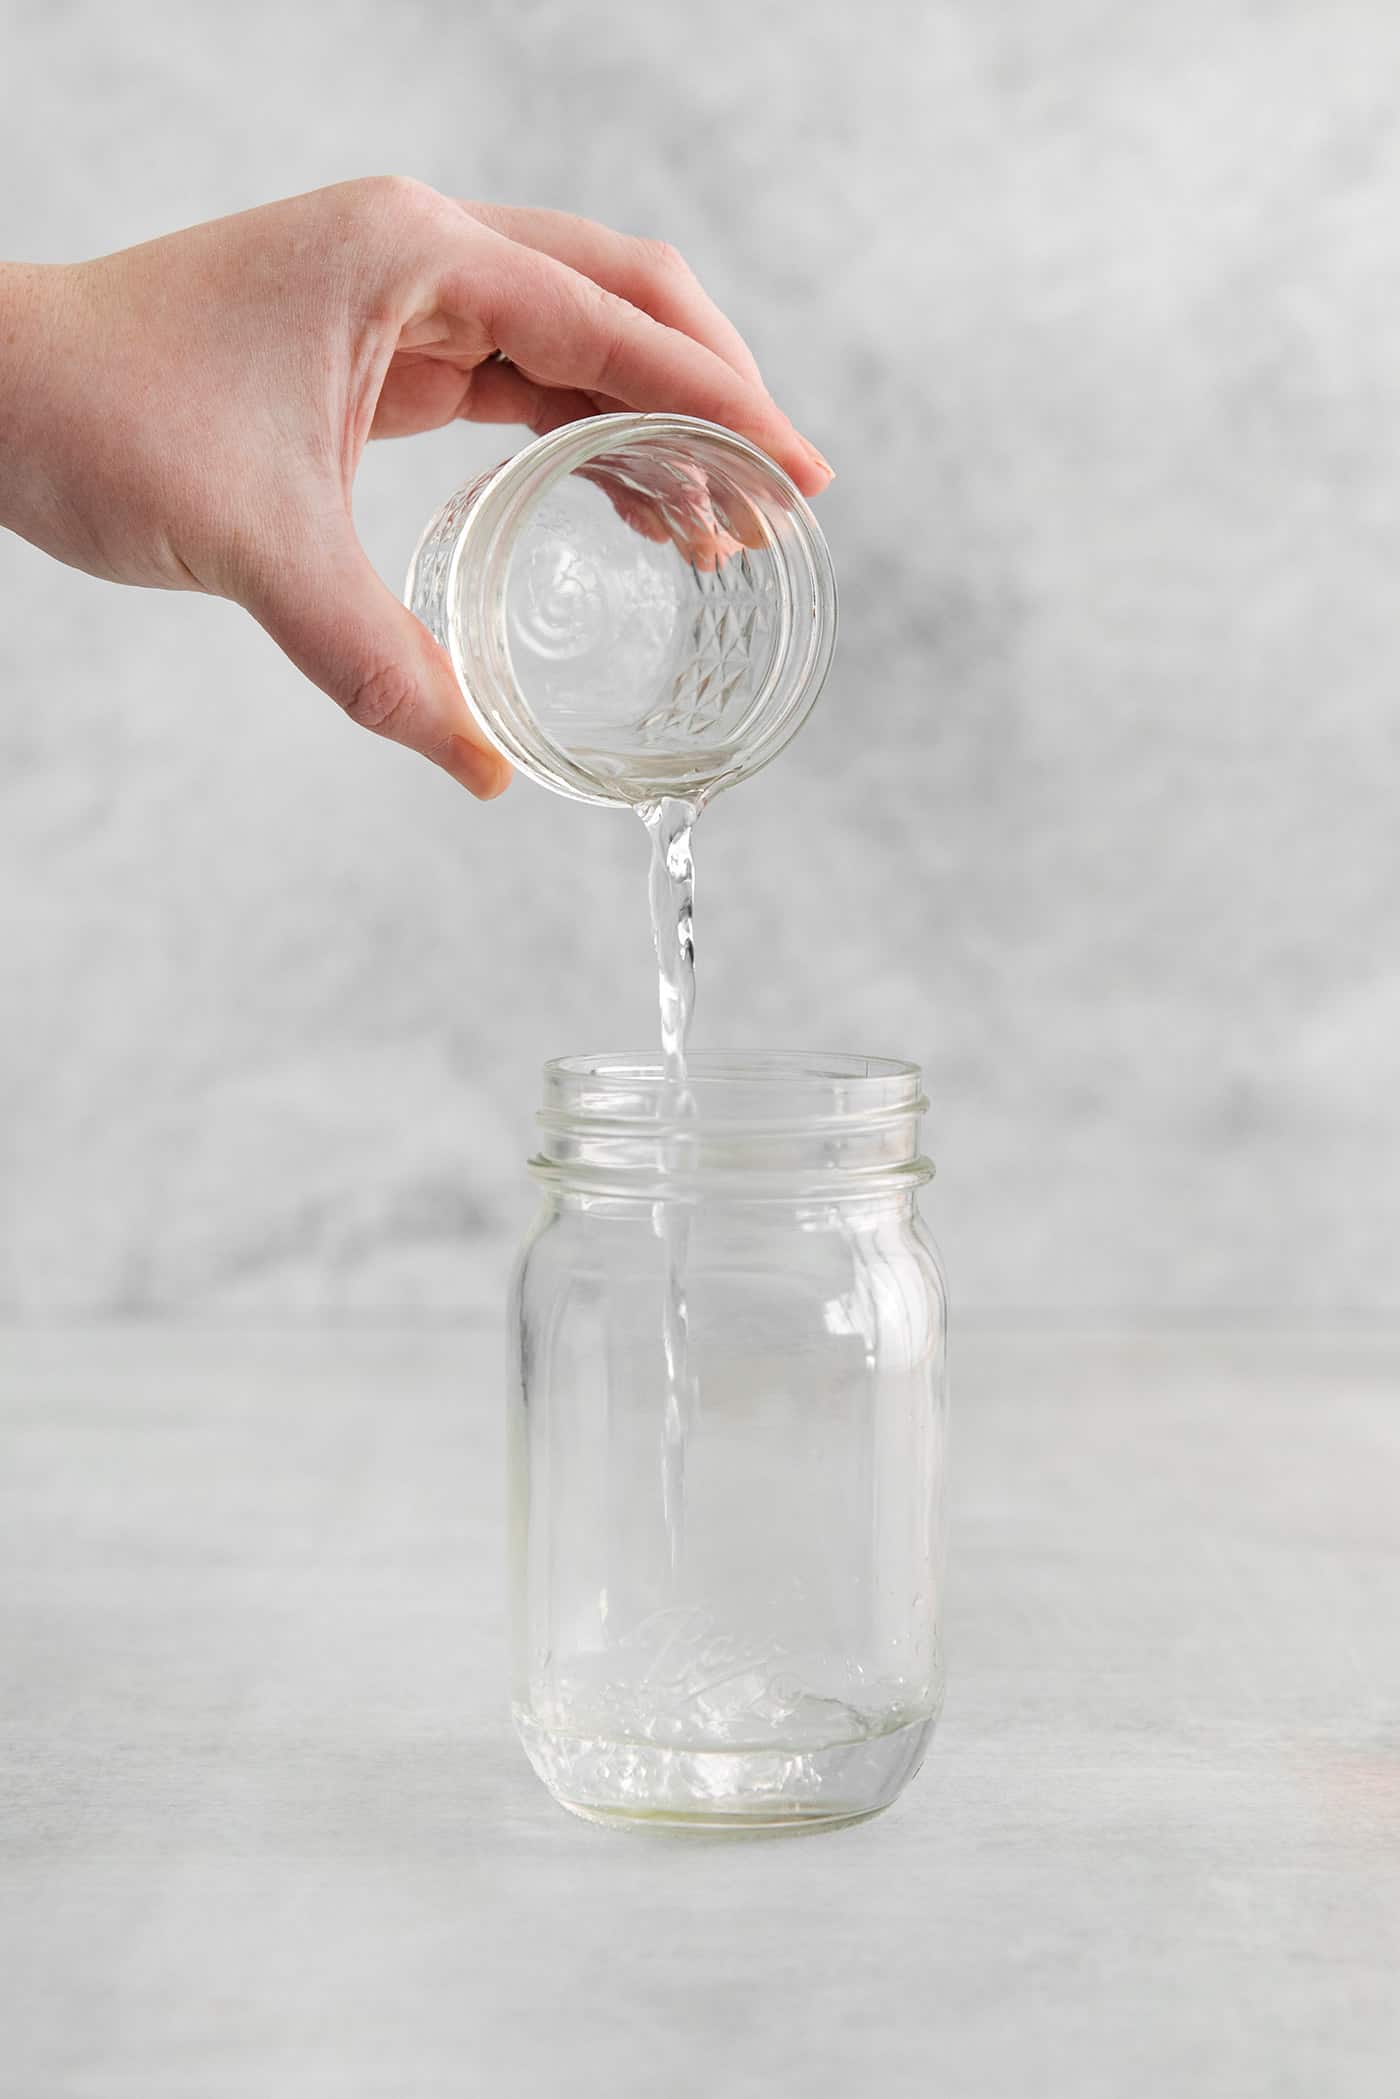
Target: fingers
500,394
648,274
560,329
688,512
341,626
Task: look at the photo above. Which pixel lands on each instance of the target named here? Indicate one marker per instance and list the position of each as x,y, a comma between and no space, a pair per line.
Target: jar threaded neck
748,1125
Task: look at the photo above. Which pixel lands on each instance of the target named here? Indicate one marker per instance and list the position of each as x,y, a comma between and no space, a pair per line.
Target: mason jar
728,1417
636,606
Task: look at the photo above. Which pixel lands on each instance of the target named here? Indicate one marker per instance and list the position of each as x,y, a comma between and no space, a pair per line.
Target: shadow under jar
728,1615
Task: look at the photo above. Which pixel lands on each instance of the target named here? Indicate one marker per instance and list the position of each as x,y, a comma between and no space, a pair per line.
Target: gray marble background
1096,309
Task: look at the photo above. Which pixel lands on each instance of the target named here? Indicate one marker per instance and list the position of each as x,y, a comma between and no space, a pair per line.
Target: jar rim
479,646
763,1124
633,1070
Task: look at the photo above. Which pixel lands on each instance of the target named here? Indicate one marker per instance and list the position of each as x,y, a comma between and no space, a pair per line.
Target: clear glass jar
636,606
728,1615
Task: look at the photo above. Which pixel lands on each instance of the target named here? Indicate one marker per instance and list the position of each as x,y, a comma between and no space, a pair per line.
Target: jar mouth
754,1122
610,655
739,1085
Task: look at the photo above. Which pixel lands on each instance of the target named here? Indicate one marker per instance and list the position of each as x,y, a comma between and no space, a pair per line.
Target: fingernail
495,775
482,772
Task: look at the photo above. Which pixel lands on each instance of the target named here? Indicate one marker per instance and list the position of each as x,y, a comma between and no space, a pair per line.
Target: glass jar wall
727,1437
635,606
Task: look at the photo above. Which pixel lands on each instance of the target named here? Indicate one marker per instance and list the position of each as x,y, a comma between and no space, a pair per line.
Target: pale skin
190,414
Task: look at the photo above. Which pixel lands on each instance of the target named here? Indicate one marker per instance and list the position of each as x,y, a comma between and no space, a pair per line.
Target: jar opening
641,605
759,1122
748,1084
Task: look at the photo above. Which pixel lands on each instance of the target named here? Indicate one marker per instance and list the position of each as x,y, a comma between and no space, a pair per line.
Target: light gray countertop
264,1830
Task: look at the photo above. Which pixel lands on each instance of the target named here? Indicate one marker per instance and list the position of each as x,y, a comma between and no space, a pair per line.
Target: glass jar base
796,1824
643,1785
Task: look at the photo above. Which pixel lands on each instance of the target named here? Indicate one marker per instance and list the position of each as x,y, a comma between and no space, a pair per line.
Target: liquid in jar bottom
771,1787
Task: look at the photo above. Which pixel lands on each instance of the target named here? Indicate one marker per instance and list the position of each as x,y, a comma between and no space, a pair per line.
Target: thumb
343,627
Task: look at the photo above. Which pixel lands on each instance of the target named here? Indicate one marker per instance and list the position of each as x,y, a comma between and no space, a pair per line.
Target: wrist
36,328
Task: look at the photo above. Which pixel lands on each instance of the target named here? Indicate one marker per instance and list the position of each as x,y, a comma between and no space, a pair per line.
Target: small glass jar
636,606
728,1412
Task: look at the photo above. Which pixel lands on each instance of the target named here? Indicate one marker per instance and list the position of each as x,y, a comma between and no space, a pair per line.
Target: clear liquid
609,1777
670,824
691,1718
695,1720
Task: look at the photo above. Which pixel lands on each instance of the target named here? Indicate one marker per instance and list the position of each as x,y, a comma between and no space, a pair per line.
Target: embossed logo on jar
560,608
689,1659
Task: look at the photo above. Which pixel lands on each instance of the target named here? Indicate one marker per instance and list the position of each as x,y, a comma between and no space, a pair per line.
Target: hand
190,414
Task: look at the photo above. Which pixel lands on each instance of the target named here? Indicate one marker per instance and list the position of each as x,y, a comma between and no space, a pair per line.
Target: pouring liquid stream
670,823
